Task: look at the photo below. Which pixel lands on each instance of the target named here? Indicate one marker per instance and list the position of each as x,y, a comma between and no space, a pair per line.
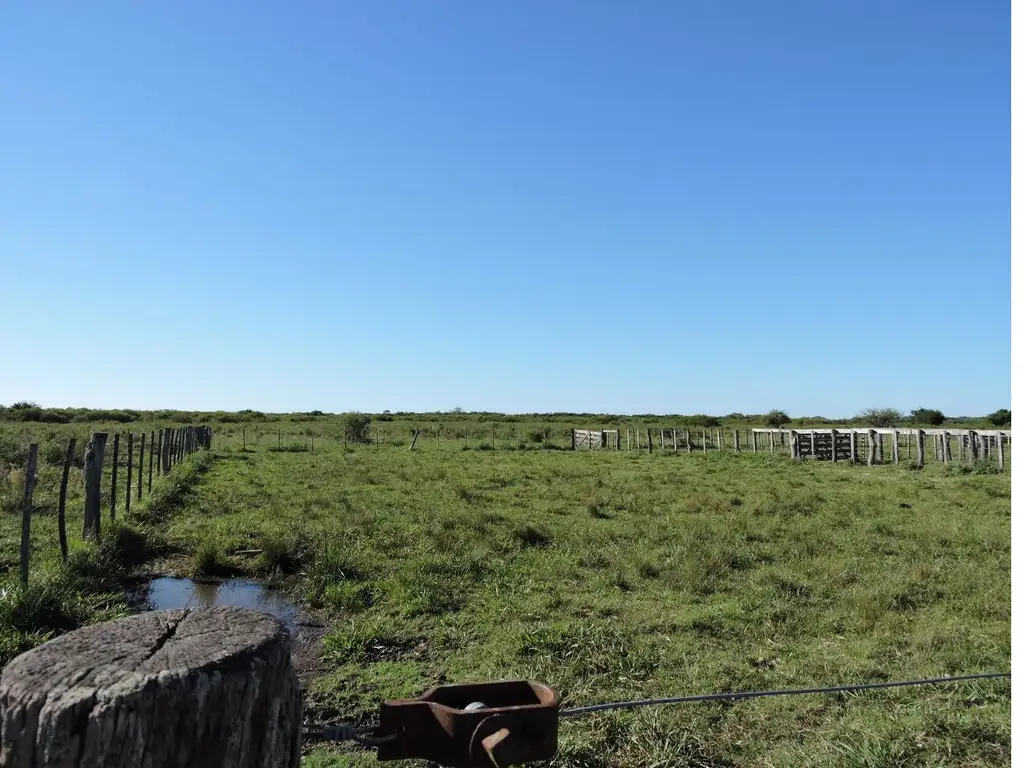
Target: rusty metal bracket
480,725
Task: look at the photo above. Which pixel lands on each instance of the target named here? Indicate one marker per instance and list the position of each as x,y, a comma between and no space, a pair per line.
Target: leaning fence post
93,481
207,686
26,511
650,442
62,532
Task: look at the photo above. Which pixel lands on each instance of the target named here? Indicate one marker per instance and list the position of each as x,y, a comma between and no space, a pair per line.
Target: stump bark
200,687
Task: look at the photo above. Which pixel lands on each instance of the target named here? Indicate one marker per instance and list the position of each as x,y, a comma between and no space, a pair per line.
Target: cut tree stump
200,687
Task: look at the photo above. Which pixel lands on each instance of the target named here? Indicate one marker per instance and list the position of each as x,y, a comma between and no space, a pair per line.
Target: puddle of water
166,593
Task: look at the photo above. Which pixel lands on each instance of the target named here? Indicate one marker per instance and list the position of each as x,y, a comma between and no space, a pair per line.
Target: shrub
357,427
540,435
880,417
927,416
703,420
776,418
1000,418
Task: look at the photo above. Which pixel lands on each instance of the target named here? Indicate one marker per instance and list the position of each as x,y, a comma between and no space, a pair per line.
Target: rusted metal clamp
479,725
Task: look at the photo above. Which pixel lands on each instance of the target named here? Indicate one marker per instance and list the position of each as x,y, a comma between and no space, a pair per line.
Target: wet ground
168,592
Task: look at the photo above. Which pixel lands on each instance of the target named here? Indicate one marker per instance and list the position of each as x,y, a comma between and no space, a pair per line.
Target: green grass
605,575
615,576
91,585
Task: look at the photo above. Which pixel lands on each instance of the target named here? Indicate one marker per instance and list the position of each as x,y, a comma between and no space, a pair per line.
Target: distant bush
386,416
540,435
927,416
1000,418
880,417
357,427
776,418
703,420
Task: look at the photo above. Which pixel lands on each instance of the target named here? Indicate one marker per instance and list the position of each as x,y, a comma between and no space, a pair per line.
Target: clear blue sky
700,206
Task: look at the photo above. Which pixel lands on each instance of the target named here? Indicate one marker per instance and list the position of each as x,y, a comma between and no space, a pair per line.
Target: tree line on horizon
27,411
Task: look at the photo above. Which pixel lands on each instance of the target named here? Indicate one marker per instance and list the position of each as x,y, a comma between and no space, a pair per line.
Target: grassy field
606,576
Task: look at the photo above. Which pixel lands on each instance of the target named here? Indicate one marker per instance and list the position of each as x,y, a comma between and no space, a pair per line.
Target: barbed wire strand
362,735
852,688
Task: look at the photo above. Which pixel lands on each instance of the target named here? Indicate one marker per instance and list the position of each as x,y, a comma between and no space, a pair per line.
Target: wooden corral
591,439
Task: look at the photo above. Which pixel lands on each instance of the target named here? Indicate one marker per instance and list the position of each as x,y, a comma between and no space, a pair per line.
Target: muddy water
167,592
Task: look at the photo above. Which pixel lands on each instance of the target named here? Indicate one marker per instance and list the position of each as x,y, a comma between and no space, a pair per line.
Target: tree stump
199,687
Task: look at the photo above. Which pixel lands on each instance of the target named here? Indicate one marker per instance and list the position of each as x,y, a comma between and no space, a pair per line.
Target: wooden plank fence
867,445
190,440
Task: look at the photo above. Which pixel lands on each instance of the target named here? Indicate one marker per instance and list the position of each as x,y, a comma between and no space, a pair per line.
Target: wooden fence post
895,446
159,455
736,440
1002,455
853,446
415,436
771,442
689,446
871,451
675,440
662,433
128,480
230,668
753,441
704,440
650,442
794,446
93,481
26,511
946,457
972,444
142,459
572,437
920,447
113,476
62,532
168,446
152,450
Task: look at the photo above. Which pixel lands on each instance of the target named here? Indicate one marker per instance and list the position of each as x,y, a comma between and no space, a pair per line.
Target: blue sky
701,206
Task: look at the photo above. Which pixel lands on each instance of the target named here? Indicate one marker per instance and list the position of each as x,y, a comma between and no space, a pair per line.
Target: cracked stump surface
194,687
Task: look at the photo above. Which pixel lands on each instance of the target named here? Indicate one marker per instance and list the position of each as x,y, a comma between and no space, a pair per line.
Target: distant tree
456,409
927,416
776,418
23,405
357,427
386,416
880,417
1000,418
